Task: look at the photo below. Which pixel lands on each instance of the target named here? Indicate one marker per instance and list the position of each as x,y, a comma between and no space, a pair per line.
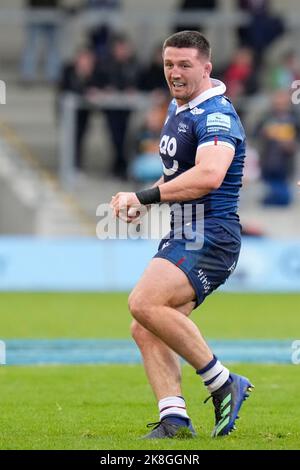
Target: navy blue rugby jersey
209,119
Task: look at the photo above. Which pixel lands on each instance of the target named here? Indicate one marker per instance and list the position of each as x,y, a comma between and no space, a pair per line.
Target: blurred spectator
101,34
152,76
264,27
278,133
121,73
42,30
285,72
186,5
102,3
240,76
253,6
146,166
82,78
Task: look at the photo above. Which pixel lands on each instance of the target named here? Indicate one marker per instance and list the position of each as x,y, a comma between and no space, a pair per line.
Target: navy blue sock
214,375
208,366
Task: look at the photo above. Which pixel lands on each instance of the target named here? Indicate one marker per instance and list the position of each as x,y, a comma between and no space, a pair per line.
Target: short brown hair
190,39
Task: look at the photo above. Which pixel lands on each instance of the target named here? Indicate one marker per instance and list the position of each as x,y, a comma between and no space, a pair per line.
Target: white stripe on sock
219,381
211,373
172,406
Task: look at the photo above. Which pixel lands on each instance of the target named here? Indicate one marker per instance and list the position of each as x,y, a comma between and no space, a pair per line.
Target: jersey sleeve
218,128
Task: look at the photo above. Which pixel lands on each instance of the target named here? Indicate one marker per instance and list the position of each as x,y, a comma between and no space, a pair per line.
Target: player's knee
135,304
139,307
134,329
138,333
131,303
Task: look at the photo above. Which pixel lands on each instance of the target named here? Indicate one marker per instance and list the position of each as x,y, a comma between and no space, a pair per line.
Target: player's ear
207,69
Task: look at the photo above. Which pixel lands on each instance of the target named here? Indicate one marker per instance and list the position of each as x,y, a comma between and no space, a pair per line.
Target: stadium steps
31,120
29,111
32,202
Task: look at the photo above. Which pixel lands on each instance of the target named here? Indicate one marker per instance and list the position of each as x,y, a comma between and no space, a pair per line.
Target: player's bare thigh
163,283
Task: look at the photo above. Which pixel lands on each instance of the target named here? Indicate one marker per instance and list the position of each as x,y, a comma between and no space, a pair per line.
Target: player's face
187,73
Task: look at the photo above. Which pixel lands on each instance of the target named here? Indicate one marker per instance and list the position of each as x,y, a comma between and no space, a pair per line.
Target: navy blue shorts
210,264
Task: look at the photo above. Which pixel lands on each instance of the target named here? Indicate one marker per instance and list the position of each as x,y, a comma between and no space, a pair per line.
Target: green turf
107,407
62,315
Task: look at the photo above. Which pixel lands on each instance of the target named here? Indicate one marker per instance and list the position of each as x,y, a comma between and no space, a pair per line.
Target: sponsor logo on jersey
218,121
172,170
197,111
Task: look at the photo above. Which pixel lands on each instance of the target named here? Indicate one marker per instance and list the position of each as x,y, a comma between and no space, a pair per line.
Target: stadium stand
31,111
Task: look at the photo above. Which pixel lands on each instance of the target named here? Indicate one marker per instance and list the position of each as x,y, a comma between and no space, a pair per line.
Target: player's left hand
121,204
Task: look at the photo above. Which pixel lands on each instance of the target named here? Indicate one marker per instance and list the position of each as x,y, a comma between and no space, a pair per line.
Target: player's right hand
130,215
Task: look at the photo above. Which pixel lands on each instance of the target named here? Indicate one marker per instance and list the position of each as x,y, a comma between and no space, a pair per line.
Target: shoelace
217,404
208,398
151,425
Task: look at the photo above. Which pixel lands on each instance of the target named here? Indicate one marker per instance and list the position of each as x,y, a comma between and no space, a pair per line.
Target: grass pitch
107,407
85,315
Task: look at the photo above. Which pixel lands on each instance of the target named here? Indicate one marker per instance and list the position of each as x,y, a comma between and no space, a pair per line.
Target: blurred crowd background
86,98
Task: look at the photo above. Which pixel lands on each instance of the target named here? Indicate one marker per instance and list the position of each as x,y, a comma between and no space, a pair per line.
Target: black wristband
149,196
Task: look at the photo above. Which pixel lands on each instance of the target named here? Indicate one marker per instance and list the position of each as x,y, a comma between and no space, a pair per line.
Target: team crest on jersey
197,111
182,127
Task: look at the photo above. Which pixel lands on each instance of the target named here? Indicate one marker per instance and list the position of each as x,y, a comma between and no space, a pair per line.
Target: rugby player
202,148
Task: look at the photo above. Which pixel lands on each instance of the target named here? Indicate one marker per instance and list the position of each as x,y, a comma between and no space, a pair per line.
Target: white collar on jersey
218,88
